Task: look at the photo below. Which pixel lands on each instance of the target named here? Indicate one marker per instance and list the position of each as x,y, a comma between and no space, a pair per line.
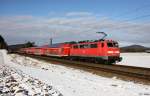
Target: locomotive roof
89,41
51,46
96,41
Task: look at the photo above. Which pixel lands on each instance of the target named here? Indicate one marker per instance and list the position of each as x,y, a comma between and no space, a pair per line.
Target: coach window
93,45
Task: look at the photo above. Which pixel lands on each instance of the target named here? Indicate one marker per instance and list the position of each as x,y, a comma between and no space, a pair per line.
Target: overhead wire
132,19
133,11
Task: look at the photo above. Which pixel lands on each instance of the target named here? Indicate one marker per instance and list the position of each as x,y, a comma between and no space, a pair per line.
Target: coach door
65,51
102,49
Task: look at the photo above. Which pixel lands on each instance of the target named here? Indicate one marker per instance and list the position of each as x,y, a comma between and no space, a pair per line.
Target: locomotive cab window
116,44
110,44
93,45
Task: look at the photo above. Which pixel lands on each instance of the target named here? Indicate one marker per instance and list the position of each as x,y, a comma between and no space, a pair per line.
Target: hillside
134,48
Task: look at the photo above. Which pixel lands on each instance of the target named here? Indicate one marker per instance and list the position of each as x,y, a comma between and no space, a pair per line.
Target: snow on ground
74,82
14,82
136,59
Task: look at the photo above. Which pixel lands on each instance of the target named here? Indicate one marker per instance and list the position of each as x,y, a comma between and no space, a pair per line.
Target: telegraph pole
51,41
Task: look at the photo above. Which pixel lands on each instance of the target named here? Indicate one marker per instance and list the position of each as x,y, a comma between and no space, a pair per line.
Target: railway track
136,73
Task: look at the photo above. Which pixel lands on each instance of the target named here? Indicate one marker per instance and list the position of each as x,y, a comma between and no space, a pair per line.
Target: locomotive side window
81,46
86,46
75,47
93,45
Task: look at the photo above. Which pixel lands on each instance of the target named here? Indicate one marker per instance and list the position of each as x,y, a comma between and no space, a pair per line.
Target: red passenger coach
39,50
29,50
59,50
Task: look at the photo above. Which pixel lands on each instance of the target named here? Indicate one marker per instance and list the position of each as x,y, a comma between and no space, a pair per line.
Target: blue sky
67,20
111,8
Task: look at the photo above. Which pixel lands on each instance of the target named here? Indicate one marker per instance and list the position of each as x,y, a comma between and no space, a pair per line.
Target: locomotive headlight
117,52
110,52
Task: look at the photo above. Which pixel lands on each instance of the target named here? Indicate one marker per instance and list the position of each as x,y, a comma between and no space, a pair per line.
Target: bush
3,44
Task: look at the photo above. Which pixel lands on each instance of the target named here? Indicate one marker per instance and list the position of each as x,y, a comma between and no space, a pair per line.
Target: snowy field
136,59
66,81
14,82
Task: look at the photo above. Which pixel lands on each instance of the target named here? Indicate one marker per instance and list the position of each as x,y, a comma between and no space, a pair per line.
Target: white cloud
18,29
79,14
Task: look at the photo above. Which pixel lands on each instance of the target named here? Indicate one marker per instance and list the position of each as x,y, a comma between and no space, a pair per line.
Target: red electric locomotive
100,51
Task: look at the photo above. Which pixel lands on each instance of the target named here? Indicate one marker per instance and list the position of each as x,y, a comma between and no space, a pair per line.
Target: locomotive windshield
112,44
116,44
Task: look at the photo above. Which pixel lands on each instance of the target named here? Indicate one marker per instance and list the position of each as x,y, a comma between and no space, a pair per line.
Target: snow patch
136,59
